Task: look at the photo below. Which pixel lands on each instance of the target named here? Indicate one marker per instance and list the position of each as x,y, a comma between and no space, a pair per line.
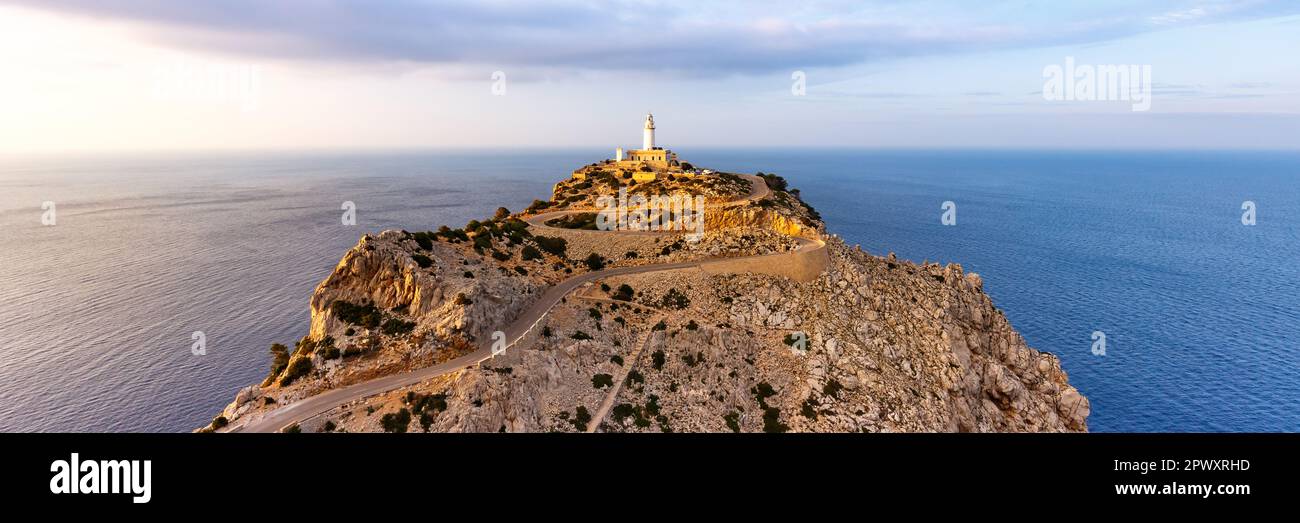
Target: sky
132,75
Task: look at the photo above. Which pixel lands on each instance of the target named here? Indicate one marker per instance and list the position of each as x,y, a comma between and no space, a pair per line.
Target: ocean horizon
1201,313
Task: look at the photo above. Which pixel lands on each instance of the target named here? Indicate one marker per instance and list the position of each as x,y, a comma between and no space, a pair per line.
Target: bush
364,315
425,239
832,388
537,205
602,380
219,422
774,182
624,293
581,420
585,221
808,409
675,299
690,326
530,253
396,421
733,421
330,352
556,246
292,429
394,327
522,271
501,214
616,359
453,235
579,335
279,359
500,256
658,359
595,262
298,367
329,426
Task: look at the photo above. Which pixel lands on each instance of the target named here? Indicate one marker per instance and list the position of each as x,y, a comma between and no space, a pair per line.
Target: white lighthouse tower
648,142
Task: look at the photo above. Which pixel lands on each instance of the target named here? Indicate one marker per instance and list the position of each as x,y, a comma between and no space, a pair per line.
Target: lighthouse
648,142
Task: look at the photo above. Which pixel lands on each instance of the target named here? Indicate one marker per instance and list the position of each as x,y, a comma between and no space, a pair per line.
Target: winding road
306,408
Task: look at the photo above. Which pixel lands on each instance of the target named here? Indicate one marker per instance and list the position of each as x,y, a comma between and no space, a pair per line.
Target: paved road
312,406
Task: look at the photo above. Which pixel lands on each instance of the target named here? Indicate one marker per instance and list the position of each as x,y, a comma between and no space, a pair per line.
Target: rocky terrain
870,343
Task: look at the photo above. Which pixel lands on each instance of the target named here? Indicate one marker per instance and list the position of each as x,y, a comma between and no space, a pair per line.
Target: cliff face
381,271
859,343
873,345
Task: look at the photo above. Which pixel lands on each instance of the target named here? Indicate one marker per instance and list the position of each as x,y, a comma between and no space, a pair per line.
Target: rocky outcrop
753,338
382,271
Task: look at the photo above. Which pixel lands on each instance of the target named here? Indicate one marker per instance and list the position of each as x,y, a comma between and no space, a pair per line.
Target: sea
139,292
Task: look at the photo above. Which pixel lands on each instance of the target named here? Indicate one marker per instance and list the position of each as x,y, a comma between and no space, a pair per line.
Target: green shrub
425,239
298,367
582,418
329,426
690,326
809,411
292,429
832,388
423,261
624,293
585,221
219,422
522,271
595,262
675,299
602,380
537,205
501,214
658,359
364,315
579,335
616,359
500,256
733,421
556,246
394,327
279,359
396,421
530,253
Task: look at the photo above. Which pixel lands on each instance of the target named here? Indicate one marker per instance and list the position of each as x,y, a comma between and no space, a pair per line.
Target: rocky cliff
866,343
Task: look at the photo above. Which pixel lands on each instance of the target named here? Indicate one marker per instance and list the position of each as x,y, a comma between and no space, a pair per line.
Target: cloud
679,37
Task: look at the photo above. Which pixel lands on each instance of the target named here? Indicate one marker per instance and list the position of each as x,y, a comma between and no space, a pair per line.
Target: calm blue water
1200,312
